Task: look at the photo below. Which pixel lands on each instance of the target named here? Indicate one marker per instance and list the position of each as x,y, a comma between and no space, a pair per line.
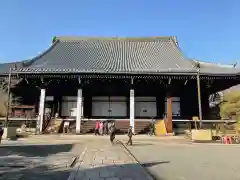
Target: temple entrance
109,107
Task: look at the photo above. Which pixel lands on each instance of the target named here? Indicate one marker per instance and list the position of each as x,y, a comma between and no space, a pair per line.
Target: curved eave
212,69
5,67
69,70
30,61
108,76
220,74
119,75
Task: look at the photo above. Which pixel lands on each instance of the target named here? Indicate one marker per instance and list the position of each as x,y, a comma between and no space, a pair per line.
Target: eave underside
211,83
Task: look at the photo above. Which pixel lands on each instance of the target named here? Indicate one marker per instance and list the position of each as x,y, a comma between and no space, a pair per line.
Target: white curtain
109,106
145,107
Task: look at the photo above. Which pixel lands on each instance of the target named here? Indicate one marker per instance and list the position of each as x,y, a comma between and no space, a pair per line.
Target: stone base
202,135
9,132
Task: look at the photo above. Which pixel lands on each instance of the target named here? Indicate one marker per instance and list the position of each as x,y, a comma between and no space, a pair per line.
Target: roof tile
113,55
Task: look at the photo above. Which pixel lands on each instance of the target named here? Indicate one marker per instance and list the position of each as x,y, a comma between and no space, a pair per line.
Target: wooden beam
169,125
8,96
199,99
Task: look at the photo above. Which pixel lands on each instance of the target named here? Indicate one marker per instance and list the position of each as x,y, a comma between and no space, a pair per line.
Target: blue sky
208,30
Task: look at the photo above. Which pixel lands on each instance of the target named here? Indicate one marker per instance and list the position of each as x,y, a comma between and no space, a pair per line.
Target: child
101,128
130,133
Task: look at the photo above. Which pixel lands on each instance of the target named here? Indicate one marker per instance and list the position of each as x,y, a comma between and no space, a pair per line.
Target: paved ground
38,158
174,161
31,162
49,157
104,161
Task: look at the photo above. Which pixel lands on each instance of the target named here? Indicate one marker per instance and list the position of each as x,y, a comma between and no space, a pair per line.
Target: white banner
41,110
79,111
132,109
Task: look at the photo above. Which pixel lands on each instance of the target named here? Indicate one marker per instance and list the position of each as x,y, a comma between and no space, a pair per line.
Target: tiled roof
111,55
5,67
217,69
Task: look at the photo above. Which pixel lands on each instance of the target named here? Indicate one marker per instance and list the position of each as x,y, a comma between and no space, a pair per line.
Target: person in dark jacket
112,132
105,127
1,133
130,134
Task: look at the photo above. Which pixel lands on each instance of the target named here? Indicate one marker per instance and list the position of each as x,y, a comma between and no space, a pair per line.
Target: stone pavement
189,162
36,162
103,161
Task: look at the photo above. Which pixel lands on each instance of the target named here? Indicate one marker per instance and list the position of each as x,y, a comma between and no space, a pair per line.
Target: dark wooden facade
162,87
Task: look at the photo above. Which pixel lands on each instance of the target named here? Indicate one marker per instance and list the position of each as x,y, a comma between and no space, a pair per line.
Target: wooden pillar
199,98
41,110
79,110
56,105
169,124
160,104
8,95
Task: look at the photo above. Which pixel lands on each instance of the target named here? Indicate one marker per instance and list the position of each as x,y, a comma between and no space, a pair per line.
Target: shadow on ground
36,173
154,163
141,144
12,171
35,150
30,162
123,171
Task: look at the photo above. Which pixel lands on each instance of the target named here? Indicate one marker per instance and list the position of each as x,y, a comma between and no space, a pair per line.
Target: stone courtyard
88,157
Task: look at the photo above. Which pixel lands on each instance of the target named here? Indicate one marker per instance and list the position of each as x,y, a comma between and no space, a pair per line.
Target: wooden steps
142,127
121,126
88,127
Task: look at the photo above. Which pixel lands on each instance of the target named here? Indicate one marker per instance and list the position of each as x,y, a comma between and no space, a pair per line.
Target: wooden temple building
129,80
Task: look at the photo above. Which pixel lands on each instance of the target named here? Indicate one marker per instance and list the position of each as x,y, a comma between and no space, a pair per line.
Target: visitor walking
101,128
112,132
97,128
130,133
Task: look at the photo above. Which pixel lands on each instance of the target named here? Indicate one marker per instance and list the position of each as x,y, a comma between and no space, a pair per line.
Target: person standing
1,133
112,132
66,126
130,133
105,127
97,128
101,128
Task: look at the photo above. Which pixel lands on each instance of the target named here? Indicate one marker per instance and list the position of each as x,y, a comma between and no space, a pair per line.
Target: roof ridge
146,38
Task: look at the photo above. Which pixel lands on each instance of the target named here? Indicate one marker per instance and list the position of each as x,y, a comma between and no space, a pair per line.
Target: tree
230,107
